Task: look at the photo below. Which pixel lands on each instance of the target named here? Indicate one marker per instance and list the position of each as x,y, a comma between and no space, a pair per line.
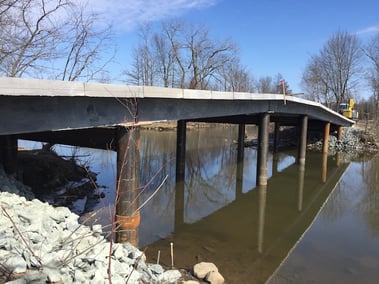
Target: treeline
183,55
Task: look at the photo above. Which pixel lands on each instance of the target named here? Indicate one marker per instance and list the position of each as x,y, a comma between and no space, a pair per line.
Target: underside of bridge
104,137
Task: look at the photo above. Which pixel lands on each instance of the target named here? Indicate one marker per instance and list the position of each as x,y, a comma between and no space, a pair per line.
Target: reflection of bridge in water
251,236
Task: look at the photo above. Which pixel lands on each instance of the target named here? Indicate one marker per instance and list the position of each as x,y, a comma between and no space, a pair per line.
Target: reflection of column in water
324,166
338,159
127,218
179,204
325,151
262,189
301,187
275,162
239,179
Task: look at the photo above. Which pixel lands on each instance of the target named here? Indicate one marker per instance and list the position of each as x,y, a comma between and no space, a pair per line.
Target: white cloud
369,30
127,14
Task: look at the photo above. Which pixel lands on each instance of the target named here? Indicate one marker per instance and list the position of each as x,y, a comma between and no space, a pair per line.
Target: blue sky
273,36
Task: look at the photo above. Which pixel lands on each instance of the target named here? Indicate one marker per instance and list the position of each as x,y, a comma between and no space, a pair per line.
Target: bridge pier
263,131
326,138
240,159
127,215
181,136
8,153
276,137
302,148
241,142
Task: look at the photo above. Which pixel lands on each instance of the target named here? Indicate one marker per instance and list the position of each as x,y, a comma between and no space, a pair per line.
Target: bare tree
174,31
180,56
142,71
206,57
83,46
36,36
165,58
335,70
235,78
29,35
372,52
270,85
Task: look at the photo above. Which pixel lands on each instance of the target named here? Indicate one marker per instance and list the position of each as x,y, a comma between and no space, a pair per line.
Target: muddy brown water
311,226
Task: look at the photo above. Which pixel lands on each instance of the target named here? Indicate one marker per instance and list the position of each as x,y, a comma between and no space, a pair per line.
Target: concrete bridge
108,116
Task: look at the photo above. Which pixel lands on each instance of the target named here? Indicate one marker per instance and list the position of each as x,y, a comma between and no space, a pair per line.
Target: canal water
314,225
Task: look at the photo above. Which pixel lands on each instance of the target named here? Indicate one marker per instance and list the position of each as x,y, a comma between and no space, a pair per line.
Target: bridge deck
29,105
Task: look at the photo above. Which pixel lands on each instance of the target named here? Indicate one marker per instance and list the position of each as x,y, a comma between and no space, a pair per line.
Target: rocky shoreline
40,243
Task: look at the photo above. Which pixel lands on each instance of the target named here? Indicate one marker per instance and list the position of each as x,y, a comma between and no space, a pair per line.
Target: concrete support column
240,159
8,153
241,142
326,137
181,134
262,158
276,137
302,140
127,216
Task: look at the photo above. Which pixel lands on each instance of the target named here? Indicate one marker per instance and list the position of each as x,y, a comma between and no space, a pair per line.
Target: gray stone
70,252
53,275
214,277
170,276
80,277
97,229
201,269
118,251
15,263
156,268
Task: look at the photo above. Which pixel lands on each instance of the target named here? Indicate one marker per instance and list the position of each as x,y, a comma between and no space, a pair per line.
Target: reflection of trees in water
357,192
336,206
157,160
370,201
210,166
210,170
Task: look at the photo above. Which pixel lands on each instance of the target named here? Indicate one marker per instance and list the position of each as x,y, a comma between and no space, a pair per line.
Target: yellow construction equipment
347,110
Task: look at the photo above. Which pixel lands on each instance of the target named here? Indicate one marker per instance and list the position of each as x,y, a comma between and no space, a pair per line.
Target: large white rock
214,277
201,269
